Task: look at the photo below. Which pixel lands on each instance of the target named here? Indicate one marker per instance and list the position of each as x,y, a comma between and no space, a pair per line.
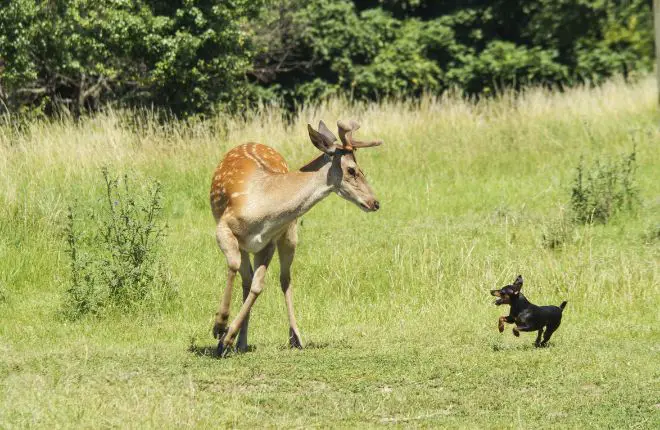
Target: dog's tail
563,305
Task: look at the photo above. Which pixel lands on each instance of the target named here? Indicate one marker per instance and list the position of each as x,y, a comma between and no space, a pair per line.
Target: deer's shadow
211,351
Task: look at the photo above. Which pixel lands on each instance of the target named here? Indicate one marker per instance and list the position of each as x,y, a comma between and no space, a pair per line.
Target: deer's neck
297,192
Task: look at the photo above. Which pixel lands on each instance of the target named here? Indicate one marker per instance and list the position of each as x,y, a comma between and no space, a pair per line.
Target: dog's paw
516,333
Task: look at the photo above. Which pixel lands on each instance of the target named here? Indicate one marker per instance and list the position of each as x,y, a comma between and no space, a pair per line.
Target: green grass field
393,306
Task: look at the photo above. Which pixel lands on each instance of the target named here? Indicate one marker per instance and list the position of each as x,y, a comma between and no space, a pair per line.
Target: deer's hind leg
246,280
286,248
229,246
261,262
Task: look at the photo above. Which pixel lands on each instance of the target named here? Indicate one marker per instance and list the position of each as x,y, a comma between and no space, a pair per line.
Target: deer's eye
351,171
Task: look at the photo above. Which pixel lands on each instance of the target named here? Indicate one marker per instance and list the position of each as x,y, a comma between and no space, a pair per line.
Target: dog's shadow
498,347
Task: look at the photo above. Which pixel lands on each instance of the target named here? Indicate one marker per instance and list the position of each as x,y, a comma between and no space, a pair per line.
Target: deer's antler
325,131
346,129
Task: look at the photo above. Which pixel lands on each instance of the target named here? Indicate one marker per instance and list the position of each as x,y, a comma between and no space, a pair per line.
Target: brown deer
256,200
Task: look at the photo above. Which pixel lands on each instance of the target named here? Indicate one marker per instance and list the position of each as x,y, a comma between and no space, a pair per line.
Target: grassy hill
393,306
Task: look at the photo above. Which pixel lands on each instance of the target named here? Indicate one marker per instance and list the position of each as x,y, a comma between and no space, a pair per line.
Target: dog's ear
517,284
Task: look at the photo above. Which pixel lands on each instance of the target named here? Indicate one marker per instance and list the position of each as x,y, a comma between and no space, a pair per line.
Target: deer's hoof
223,347
294,340
223,350
219,330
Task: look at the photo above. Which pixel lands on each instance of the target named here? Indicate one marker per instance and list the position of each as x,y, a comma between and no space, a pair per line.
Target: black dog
527,316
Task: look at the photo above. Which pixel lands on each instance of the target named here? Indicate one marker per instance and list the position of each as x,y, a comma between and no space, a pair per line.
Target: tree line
201,56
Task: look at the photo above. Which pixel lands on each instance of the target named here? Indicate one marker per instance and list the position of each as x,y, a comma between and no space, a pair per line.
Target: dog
527,316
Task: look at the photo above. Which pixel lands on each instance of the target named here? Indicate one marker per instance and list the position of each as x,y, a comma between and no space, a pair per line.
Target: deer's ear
517,284
323,139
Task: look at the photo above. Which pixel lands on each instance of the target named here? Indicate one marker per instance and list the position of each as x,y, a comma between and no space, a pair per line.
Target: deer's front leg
229,246
261,262
286,248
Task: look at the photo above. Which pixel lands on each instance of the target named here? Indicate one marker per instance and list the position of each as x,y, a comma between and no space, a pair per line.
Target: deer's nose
376,205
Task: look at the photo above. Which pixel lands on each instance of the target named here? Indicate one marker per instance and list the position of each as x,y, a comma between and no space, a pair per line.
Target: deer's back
231,178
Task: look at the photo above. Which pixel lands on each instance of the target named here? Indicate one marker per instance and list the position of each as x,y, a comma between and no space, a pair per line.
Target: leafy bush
187,55
117,264
604,189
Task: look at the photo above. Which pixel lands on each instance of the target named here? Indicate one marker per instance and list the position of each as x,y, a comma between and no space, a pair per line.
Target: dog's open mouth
500,300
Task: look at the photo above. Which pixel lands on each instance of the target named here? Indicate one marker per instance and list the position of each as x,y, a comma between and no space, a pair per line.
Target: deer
256,202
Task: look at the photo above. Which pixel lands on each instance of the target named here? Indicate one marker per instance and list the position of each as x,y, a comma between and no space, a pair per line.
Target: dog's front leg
502,320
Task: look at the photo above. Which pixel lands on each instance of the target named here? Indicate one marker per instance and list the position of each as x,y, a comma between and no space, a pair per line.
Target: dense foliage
186,55
198,55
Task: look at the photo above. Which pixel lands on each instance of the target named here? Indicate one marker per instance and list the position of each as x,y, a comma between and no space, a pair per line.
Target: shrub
117,264
604,189
557,232
185,56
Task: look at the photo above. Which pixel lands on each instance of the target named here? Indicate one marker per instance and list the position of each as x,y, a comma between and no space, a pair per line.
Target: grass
393,306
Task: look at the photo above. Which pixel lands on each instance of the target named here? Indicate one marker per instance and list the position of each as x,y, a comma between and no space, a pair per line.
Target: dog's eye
351,171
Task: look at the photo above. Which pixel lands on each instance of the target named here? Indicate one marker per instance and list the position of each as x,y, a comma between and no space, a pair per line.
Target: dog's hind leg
518,329
537,342
548,333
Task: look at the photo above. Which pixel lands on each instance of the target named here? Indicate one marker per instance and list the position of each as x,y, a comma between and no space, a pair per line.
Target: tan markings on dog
500,324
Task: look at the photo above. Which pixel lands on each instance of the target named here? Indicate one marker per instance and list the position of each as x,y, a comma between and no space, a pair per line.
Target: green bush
117,264
188,56
604,189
